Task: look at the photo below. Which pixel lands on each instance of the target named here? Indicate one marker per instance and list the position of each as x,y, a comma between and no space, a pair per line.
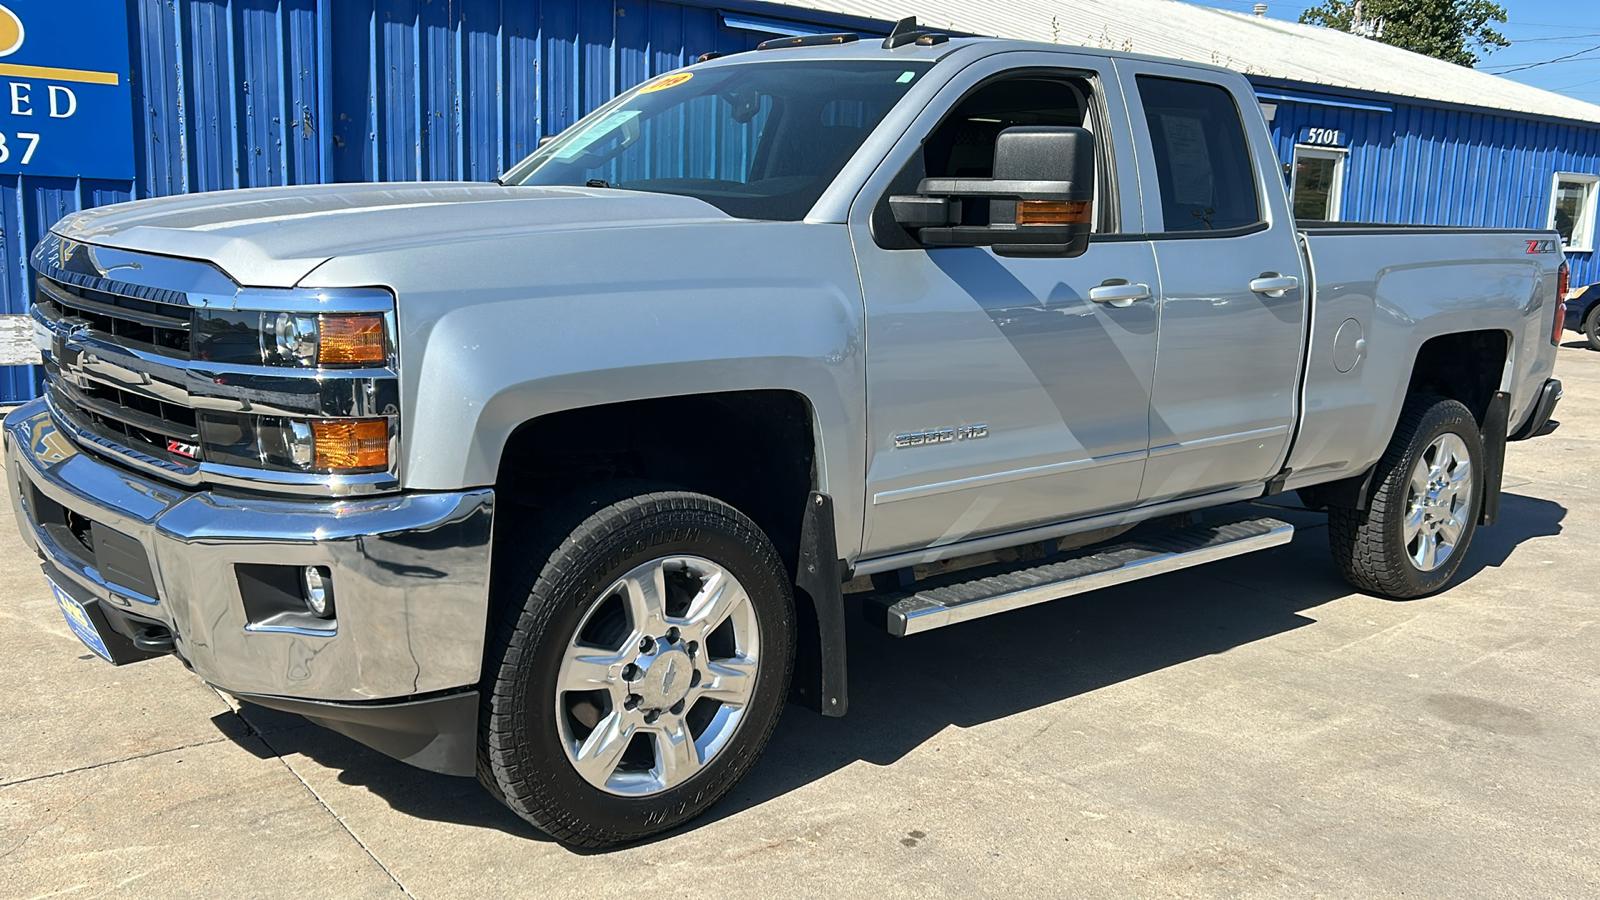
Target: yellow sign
11,32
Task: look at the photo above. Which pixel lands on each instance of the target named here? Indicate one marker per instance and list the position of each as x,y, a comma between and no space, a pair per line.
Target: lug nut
631,702
672,635
647,644
677,708
694,679
631,672
694,648
651,716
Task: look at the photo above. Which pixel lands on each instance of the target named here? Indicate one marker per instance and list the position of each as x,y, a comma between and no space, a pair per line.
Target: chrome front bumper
410,572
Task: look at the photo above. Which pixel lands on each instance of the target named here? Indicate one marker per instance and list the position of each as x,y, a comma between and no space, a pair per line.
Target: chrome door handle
1274,285
1119,295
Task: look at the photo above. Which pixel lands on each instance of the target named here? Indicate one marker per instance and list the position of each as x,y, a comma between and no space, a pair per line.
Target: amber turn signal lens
344,340
1053,212
345,444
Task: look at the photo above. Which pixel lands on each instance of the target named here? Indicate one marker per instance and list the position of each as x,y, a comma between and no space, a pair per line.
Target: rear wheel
1591,327
1412,537
639,668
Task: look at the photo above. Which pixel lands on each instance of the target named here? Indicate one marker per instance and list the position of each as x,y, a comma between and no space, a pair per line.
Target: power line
1579,84
1546,25
1565,37
1545,62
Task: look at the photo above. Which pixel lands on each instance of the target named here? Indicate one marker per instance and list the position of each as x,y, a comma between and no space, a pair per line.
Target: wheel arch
760,451
1470,366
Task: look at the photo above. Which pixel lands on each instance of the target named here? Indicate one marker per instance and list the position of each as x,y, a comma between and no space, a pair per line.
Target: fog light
319,591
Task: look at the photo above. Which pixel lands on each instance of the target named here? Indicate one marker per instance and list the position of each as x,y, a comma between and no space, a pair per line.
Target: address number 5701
27,154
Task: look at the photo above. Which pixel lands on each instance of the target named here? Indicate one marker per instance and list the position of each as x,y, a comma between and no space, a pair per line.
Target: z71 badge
1544,246
941,436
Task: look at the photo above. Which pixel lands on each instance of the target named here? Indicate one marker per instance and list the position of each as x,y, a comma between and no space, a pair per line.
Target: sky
1540,31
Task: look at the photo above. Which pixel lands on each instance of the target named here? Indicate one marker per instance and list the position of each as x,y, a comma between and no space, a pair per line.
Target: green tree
1451,30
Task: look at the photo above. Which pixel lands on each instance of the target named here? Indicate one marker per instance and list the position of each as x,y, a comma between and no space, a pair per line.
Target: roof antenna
905,32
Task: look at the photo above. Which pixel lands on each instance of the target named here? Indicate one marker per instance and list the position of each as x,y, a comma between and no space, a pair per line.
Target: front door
999,395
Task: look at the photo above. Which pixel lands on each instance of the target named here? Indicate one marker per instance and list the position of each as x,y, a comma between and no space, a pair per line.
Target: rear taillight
1563,281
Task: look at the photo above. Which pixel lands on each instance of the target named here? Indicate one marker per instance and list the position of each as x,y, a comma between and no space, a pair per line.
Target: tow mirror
1040,198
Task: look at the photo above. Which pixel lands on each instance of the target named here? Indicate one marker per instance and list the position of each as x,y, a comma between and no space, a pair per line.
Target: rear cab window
1205,180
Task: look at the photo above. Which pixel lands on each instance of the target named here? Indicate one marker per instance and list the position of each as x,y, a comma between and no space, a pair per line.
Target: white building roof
1271,48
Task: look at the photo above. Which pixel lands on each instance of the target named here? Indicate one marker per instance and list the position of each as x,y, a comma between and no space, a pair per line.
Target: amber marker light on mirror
1053,212
343,445
351,340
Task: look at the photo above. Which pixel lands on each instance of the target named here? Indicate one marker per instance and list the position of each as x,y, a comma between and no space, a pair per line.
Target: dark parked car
1583,313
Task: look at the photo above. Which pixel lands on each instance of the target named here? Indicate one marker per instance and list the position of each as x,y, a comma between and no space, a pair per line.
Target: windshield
758,141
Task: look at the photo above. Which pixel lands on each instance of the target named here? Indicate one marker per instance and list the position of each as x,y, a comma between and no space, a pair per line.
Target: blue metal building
229,94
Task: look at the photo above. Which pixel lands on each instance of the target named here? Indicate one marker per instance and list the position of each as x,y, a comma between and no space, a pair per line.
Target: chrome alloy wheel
1438,502
656,679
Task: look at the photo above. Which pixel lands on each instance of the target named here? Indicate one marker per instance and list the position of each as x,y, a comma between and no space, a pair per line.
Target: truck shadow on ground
905,691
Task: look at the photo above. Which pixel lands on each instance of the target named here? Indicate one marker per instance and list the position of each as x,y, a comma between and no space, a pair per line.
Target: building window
1572,209
1318,183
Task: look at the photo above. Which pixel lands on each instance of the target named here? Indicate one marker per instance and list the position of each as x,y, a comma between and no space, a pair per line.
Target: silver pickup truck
561,480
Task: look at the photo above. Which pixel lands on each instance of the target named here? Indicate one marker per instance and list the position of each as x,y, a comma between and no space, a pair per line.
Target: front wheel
1591,327
641,663
1410,540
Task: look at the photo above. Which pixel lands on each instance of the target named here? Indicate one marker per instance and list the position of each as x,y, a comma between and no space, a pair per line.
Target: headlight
294,338
298,340
284,444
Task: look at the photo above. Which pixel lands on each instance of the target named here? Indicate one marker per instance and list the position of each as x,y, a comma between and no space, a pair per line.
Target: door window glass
1202,158
962,145
1573,212
1318,184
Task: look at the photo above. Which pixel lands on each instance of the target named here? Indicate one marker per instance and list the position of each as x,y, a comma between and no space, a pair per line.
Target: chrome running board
984,591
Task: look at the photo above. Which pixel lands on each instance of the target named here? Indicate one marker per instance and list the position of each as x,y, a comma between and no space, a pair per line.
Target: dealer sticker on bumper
78,620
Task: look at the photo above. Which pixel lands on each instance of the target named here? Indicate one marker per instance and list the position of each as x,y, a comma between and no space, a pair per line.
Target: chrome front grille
157,326
137,369
110,402
152,427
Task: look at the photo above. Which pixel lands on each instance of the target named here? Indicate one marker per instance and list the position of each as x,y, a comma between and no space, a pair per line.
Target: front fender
495,333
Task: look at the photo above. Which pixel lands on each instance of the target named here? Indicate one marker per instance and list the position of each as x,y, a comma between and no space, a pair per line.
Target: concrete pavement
1253,728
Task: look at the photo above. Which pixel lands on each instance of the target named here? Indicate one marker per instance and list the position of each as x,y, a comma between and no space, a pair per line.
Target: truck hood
274,237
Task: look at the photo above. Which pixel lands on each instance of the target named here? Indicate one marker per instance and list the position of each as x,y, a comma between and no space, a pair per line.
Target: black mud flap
820,666
1494,455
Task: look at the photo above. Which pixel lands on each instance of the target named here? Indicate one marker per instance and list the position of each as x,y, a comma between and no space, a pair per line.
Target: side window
1202,158
962,144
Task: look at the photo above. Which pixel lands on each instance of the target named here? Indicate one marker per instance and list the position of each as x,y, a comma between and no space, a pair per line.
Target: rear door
999,394
1232,303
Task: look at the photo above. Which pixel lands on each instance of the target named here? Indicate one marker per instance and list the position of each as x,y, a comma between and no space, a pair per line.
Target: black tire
1591,327
1370,545
551,573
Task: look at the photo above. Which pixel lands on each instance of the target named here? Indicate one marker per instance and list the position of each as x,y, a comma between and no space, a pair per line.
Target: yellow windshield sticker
667,82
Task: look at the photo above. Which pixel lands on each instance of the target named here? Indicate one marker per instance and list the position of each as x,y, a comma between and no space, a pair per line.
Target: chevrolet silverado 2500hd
556,480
